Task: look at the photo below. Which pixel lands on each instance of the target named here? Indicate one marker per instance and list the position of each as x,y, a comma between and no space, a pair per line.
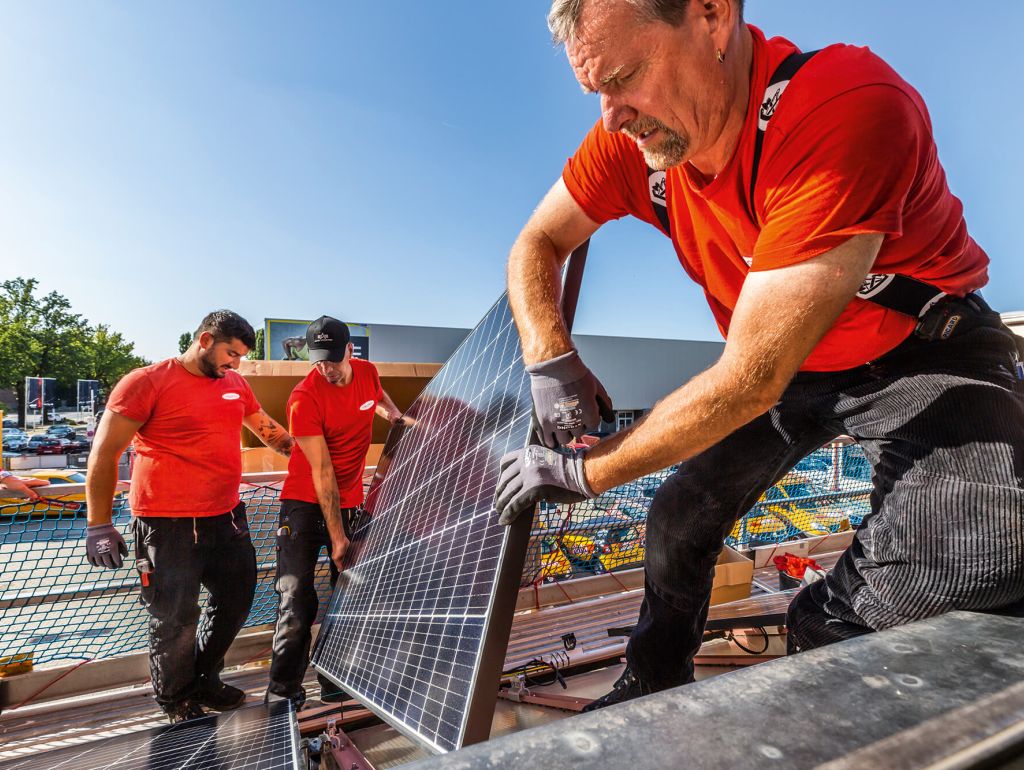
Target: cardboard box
733,574
273,381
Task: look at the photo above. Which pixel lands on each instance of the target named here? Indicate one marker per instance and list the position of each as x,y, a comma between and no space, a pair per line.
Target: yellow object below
10,665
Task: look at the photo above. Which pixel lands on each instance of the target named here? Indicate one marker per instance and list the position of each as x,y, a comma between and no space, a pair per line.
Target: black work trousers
176,558
302,533
942,424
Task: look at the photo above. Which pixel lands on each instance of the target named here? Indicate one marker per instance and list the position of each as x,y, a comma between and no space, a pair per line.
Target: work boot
336,695
216,695
625,688
298,699
330,692
182,711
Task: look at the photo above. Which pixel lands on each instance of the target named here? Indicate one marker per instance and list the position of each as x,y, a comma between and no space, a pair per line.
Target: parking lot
65,438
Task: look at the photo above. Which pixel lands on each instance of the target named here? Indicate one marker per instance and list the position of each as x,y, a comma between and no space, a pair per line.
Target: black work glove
568,399
536,473
104,546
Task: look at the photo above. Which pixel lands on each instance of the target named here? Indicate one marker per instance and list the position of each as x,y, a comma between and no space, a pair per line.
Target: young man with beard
330,414
804,194
185,415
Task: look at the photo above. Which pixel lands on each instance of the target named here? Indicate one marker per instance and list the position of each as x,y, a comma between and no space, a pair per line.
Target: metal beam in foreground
958,676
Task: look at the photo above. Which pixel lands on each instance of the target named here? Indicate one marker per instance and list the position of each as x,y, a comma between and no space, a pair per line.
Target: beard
670,150
209,368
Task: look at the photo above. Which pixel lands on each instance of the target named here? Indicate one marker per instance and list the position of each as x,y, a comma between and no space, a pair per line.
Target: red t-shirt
188,452
849,150
344,417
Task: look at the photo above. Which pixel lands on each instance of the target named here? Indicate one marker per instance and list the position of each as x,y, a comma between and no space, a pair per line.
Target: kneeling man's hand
537,473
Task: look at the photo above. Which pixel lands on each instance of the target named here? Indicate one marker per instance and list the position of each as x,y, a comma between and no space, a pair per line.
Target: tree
112,357
19,347
184,342
44,337
256,354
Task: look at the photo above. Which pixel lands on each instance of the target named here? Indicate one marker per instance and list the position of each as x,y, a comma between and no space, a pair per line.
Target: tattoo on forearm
330,504
274,436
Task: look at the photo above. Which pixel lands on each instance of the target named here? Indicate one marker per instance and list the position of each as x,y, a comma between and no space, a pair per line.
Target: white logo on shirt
367,405
771,101
231,396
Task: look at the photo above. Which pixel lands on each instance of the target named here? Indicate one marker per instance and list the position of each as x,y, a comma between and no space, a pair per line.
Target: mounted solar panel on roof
263,737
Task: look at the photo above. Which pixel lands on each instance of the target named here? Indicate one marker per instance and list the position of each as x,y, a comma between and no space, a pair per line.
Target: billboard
285,340
40,393
88,395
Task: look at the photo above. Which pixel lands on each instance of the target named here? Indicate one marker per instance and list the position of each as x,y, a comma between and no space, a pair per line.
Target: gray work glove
104,546
536,473
568,399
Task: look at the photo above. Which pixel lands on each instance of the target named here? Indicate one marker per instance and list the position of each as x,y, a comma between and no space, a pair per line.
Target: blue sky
375,161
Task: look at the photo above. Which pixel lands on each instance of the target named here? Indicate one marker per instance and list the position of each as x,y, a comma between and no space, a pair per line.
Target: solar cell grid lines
256,738
411,622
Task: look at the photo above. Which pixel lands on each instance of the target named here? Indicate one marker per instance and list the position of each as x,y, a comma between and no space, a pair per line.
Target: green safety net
826,492
55,606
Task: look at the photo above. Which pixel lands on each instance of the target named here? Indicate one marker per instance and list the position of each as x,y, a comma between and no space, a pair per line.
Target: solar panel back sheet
256,738
419,622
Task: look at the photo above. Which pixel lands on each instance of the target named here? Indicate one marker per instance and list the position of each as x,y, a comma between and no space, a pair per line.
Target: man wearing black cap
330,414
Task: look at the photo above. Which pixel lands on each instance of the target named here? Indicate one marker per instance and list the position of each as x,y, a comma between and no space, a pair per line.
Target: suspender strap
776,85
900,293
656,181
656,184
890,290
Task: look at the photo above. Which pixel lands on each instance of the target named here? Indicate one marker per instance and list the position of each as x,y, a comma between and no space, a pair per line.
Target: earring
720,55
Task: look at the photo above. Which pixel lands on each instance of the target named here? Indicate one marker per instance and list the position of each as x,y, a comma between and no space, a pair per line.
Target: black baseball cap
326,339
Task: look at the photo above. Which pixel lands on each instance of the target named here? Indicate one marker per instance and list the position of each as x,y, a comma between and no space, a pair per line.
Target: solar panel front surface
420,609
256,738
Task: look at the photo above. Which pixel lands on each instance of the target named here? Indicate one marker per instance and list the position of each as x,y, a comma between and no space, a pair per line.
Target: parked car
795,505
603,543
75,444
15,439
10,422
45,445
55,478
54,416
554,565
61,431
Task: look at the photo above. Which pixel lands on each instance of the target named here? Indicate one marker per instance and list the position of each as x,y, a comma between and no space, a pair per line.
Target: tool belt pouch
949,316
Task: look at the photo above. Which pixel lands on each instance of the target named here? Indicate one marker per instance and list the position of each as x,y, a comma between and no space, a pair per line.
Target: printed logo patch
874,283
231,396
656,182
367,405
771,101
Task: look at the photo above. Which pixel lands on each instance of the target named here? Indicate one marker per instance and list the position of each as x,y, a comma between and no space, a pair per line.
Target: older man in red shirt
804,194
185,415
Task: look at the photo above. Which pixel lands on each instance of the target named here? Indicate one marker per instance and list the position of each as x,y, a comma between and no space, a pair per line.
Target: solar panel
257,738
419,621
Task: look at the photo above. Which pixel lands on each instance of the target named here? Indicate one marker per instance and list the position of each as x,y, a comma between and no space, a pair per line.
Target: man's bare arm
535,273
387,410
21,487
779,318
113,436
314,448
270,432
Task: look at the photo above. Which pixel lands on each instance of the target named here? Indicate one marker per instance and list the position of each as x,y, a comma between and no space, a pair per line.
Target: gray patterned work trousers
942,424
